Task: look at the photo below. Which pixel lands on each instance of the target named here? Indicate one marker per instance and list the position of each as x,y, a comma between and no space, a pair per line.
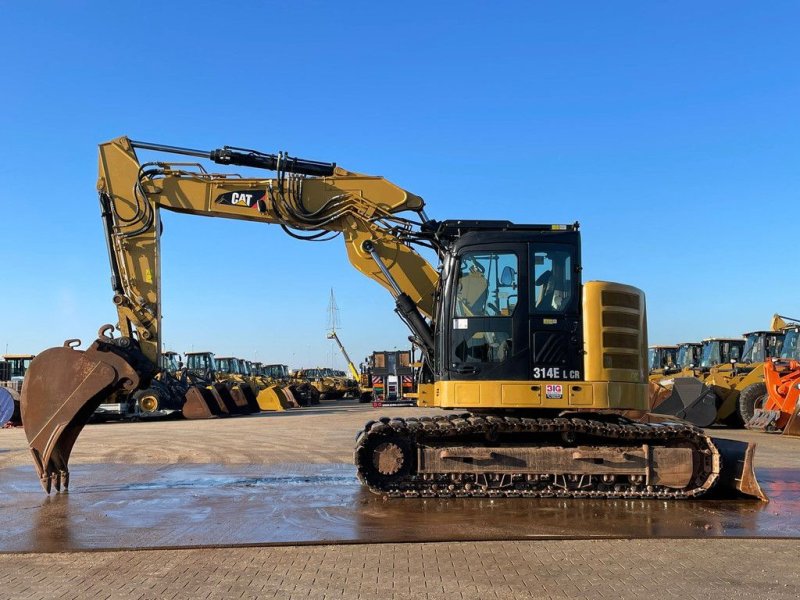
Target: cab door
555,326
487,318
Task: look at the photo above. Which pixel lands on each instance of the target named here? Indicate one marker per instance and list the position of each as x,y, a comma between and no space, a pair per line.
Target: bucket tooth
63,387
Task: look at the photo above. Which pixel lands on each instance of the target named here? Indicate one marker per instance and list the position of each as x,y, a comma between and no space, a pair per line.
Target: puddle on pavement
141,506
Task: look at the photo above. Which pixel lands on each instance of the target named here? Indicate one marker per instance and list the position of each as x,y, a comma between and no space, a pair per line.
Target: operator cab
761,345
717,351
512,304
689,354
170,362
18,364
201,364
662,359
790,349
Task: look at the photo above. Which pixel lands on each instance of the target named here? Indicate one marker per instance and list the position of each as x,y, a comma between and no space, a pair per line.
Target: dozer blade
737,473
270,398
200,403
64,386
764,420
793,424
691,401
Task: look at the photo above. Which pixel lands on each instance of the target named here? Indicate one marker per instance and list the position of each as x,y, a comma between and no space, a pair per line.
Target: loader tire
751,398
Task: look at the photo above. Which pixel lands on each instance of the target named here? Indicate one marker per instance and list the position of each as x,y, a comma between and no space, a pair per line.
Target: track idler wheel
64,386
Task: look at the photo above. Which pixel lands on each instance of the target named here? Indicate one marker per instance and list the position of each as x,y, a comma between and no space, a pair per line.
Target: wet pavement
114,506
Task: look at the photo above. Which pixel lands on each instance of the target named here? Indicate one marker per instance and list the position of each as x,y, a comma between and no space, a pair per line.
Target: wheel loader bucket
288,397
691,400
793,424
270,398
200,403
244,398
64,386
737,475
249,397
225,399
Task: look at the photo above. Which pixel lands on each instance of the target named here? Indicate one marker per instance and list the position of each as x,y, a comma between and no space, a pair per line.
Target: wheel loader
710,393
533,364
297,393
774,404
317,378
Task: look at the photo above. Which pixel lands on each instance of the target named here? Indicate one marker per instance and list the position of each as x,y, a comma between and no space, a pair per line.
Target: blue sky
671,131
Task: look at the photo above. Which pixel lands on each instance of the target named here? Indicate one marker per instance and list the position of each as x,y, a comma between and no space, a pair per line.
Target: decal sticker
246,199
460,324
556,373
554,390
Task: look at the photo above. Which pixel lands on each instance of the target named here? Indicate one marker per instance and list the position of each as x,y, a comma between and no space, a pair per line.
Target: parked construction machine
542,362
298,393
774,404
710,393
321,380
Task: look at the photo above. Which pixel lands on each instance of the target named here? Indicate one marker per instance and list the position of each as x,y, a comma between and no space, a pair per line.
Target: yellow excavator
535,364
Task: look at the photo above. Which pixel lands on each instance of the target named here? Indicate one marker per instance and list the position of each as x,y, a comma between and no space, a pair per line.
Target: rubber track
433,431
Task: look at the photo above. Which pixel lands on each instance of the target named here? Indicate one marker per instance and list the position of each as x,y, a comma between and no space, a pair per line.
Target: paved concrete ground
573,568
687,569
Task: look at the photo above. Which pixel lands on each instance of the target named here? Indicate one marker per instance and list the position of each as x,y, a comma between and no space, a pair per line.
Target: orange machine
780,405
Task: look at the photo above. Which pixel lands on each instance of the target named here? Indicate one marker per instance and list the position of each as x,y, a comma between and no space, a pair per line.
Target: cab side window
486,298
487,285
552,277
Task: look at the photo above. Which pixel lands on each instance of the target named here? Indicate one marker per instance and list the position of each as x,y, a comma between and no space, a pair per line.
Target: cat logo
246,199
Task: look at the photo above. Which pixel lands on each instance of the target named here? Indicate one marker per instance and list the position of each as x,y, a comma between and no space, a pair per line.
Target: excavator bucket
244,399
64,386
270,398
737,475
200,403
691,401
